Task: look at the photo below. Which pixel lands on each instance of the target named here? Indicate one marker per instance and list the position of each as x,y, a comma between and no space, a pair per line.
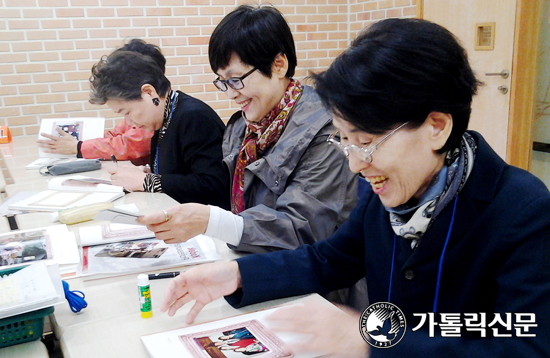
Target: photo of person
23,247
243,339
72,128
133,249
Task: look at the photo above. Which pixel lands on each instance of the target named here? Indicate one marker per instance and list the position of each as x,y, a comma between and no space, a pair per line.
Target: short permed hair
397,71
257,35
153,51
121,75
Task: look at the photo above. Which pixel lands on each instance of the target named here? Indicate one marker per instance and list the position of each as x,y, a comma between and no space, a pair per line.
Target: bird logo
382,325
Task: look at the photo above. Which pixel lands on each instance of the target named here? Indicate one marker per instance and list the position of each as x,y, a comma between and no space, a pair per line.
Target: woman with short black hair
287,188
448,233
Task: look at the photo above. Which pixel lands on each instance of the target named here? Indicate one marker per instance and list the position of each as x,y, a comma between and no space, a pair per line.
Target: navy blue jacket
497,261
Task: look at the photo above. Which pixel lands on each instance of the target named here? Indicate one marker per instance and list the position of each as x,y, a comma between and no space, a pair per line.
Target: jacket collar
472,201
274,168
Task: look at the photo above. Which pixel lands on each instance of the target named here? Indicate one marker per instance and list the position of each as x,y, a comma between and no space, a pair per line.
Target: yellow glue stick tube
144,291
82,213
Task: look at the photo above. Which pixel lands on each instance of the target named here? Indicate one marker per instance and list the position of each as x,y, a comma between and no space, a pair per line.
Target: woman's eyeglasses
364,154
234,82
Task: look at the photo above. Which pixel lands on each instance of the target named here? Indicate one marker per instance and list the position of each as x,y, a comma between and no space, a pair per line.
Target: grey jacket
301,190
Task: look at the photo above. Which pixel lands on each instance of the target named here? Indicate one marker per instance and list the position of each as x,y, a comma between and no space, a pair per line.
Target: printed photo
73,128
249,338
133,249
23,247
87,182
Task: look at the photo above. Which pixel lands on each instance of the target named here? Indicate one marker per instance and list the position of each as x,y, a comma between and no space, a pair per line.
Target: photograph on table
134,249
141,255
238,340
24,247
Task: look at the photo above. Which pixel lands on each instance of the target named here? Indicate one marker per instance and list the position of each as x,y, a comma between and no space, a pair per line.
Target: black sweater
190,155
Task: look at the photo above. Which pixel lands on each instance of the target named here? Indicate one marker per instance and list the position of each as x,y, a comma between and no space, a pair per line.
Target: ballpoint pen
113,158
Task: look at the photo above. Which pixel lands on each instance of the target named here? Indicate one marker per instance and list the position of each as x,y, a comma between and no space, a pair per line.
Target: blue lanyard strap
441,258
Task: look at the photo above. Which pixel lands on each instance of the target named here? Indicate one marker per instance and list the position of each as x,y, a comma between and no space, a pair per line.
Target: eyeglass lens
235,83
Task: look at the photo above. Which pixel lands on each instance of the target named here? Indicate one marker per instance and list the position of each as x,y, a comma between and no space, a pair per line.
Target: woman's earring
156,101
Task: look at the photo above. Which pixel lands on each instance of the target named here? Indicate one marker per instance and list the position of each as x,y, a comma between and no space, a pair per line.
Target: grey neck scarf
411,222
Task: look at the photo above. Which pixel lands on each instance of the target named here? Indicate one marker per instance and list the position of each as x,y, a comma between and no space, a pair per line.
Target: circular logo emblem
382,325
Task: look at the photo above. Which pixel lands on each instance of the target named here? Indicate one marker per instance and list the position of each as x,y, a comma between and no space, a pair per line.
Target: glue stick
82,213
144,296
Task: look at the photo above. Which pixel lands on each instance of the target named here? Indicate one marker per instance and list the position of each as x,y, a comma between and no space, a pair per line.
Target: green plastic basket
25,327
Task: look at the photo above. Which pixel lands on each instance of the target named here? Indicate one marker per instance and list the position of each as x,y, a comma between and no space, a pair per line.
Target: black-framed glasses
234,82
364,154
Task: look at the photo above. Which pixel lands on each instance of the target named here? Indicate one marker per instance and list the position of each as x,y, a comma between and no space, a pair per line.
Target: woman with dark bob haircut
453,241
186,146
287,187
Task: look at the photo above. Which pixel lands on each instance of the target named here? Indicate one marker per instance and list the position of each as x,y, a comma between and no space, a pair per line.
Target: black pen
113,158
158,276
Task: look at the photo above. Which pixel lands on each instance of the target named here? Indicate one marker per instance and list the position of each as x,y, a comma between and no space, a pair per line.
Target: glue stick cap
143,280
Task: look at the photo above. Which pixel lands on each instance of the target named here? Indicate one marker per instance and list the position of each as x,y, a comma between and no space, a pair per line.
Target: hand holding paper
64,144
179,224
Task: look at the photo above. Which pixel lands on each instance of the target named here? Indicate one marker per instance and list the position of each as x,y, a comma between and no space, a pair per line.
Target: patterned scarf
259,137
172,96
412,222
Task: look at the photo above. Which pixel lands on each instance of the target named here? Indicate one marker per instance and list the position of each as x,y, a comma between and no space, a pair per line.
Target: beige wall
47,47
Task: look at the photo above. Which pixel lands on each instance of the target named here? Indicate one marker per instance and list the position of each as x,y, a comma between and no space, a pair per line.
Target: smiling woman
186,146
449,231
287,187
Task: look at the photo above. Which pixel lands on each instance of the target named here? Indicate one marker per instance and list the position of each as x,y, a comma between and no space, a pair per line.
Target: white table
111,325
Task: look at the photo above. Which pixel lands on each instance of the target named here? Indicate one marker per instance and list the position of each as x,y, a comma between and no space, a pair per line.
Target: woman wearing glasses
186,146
449,233
287,188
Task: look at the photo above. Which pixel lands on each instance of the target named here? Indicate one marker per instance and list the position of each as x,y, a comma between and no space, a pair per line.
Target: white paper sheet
33,287
176,343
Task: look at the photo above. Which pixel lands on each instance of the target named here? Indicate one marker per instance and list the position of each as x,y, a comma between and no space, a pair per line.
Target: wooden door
470,20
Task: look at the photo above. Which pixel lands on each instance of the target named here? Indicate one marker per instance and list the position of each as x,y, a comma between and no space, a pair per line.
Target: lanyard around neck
441,258
158,141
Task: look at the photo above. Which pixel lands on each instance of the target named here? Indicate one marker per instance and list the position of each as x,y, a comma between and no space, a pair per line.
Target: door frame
523,81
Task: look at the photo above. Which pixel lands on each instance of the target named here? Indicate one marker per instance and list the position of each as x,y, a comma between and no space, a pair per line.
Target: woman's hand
65,144
203,284
127,176
332,332
178,223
